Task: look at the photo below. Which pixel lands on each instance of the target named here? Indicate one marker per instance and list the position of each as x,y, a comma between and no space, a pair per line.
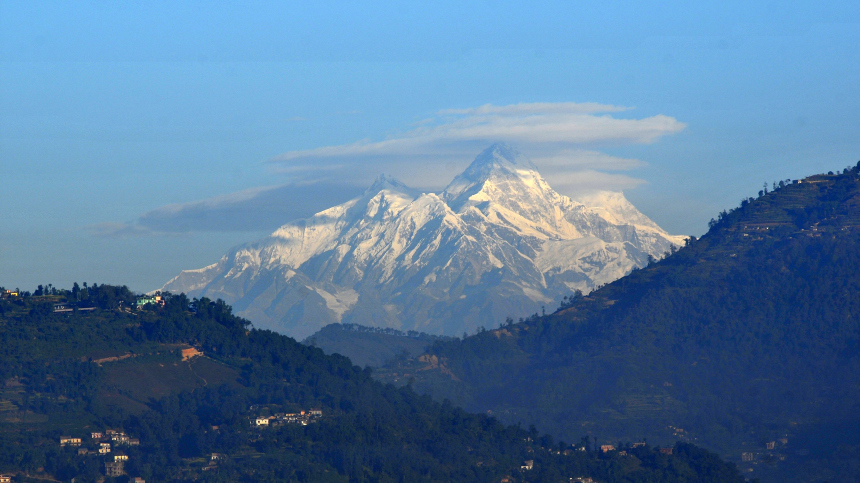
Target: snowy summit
497,242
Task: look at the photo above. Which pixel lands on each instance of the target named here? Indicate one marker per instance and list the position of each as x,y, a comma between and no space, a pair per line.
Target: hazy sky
140,139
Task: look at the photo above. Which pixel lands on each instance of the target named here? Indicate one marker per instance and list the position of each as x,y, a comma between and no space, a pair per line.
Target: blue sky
137,140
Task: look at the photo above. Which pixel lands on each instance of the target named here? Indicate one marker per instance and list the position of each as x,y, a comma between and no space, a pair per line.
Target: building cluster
6,294
773,450
116,437
101,443
303,417
149,299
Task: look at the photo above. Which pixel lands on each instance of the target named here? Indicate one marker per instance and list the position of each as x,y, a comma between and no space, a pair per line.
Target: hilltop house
149,299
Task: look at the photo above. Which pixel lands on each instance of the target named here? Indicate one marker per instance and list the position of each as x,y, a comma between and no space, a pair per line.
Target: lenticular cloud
561,124
546,130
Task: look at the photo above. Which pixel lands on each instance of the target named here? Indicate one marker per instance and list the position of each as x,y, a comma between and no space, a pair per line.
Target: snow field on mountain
497,242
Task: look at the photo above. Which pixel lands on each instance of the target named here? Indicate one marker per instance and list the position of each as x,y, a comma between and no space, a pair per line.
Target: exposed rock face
498,242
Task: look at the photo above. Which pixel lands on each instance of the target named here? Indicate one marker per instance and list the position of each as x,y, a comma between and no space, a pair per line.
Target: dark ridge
747,336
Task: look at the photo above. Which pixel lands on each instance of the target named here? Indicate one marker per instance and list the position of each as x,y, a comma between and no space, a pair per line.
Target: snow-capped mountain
497,242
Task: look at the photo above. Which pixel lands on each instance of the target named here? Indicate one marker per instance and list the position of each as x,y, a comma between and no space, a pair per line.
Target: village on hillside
105,444
302,417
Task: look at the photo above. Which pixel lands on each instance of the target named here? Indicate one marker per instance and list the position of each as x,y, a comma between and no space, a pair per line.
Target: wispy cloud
565,140
116,230
258,209
589,180
555,160
538,108
553,134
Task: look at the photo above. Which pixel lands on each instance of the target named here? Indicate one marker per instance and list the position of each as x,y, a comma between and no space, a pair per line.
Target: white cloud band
556,134
561,138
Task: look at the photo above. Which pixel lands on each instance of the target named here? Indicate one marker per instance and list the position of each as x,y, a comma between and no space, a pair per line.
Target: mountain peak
500,156
387,182
500,159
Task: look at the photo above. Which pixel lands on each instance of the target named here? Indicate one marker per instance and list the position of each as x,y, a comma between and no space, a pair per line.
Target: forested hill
747,336
96,389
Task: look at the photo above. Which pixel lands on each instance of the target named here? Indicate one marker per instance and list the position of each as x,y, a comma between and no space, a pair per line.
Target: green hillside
185,391
745,337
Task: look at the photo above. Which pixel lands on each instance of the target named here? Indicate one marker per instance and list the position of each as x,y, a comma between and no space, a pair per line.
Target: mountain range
497,242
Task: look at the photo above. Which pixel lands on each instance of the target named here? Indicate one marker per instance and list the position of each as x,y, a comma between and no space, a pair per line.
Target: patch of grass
134,382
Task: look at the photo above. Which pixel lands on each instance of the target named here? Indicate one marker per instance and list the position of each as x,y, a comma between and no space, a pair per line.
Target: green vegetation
77,372
371,346
747,336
